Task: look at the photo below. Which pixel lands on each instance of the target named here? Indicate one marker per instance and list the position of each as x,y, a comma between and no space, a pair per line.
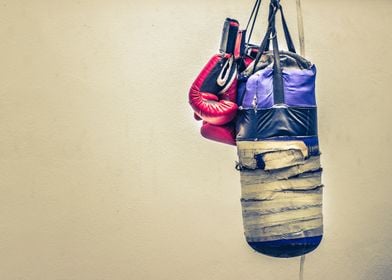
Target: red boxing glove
224,133
213,93
196,117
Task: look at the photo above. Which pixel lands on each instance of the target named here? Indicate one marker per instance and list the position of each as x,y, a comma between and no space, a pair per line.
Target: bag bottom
287,248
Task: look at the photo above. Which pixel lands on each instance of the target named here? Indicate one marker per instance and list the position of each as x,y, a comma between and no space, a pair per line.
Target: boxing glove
196,117
220,133
212,95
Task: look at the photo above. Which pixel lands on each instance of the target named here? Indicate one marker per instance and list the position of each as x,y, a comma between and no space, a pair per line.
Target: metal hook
272,37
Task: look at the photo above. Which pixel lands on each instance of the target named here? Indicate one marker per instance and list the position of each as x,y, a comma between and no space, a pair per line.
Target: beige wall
103,174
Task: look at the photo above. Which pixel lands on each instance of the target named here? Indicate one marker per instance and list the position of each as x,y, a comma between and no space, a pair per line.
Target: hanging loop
275,3
272,36
300,23
255,12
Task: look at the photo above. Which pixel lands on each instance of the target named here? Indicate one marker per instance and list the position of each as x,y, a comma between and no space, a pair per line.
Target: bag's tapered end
287,248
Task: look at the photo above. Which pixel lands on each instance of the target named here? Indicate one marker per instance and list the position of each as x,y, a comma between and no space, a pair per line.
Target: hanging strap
273,9
301,267
300,29
277,74
271,34
264,46
289,40
255,12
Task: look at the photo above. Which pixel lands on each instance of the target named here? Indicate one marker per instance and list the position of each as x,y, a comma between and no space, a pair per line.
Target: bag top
276,58
288,60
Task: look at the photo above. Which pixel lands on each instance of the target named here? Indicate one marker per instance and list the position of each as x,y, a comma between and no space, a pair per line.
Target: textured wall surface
103,174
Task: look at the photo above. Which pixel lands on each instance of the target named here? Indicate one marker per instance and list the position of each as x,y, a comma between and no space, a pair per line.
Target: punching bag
277,144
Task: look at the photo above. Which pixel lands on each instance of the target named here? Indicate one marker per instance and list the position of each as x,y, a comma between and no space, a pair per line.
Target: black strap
277,74
271,34
255,12
272,13
289,41
264,46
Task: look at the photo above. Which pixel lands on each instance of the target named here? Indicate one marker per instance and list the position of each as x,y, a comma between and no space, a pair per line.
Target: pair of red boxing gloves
213,94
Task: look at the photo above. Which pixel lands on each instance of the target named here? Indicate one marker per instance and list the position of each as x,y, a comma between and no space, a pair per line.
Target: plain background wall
103,173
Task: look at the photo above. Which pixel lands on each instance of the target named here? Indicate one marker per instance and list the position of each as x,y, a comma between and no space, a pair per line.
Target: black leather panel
276,121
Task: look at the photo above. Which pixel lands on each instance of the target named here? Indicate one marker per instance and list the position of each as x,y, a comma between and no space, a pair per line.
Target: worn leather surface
206,98
276,121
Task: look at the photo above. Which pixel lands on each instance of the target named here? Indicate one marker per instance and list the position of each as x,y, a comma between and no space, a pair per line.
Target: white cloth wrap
283,200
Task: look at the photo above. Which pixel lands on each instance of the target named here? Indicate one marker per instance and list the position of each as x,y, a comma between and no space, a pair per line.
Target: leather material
223,133
286,248
211,110
276,122
213,97
229,36
298,75
208,76
287,59
241,88
259,116
196,117
299,88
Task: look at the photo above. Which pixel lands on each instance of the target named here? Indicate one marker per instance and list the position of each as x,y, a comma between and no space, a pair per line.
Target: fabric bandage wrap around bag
277,144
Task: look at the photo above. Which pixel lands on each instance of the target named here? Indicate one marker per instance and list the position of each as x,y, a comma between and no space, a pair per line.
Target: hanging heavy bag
277,144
